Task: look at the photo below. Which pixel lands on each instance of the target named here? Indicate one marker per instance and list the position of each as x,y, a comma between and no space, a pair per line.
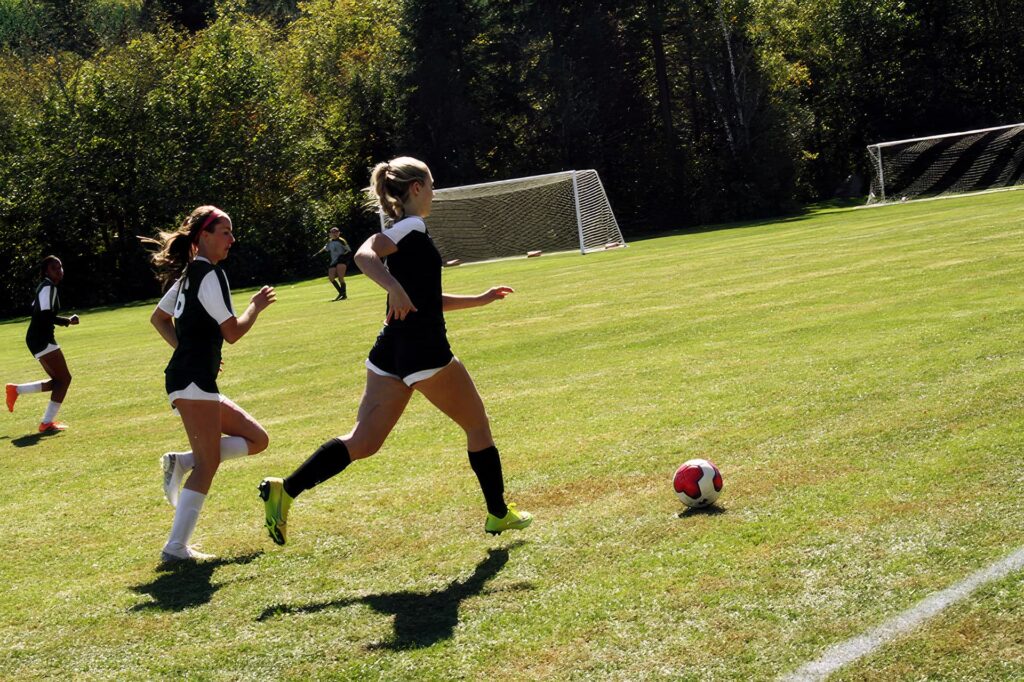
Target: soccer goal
954,163
565,211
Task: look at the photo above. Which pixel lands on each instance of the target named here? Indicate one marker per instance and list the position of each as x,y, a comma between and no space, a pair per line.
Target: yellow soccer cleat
277,503
513,520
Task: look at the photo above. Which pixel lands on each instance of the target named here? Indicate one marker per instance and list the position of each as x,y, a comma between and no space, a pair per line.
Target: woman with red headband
195,316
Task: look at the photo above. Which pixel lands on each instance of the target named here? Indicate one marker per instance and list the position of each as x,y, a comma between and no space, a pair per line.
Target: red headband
214,215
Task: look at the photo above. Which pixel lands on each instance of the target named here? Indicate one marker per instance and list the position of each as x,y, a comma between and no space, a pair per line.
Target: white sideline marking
846,652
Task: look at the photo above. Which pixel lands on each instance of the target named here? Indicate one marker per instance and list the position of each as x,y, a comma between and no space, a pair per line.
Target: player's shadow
421,618
186,584
31,439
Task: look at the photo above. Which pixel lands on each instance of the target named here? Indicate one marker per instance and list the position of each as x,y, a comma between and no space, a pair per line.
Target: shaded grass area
855,374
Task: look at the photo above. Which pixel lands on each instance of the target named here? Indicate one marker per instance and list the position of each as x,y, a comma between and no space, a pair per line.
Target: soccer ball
697,482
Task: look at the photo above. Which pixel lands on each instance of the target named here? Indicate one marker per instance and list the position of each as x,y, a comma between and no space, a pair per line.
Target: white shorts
193,392
412,378
50,347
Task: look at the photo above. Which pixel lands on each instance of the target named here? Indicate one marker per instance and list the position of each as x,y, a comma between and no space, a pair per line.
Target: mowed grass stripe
855,374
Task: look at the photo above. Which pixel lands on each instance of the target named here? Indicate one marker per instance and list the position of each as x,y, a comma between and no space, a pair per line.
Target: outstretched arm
457,302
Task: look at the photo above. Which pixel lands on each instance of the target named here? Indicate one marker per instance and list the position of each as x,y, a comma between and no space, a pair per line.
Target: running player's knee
259,442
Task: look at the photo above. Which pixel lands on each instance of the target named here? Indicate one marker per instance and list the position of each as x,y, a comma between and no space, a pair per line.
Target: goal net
556,212
955,163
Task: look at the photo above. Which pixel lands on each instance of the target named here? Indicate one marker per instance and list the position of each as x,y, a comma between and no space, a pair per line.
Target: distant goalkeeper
341,256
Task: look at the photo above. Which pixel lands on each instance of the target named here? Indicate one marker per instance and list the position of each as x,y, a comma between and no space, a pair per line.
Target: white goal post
941,165
564,211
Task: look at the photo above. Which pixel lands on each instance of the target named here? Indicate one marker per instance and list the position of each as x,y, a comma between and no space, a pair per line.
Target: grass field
856,374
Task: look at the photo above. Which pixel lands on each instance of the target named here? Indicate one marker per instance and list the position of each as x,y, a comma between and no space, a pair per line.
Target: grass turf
854,373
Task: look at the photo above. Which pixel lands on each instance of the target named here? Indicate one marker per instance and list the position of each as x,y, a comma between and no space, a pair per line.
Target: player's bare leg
60,379
453,392
201,419
384,400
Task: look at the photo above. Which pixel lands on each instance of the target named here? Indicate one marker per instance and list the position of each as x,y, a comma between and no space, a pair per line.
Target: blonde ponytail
390,182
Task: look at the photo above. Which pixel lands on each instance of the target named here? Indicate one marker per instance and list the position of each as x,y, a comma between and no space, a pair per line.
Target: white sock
51,412
186,515
34,387
230,448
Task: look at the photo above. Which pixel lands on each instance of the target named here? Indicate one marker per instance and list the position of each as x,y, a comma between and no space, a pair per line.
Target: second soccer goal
943,165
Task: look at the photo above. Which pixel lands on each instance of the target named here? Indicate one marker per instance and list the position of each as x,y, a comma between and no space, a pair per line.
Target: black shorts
40,344
192,385
410,357
344,259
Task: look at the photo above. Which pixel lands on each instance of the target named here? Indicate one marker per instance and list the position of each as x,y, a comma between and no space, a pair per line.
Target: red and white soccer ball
697,482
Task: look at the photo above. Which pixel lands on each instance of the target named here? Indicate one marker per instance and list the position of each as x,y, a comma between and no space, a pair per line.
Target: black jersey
417,267
201,304
44,316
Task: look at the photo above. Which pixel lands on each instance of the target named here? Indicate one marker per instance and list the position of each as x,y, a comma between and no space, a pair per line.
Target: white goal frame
584,219
971,153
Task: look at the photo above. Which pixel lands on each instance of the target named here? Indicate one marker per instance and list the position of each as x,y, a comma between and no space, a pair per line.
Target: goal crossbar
497,186
893,143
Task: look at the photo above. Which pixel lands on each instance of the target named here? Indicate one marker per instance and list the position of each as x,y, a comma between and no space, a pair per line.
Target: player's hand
73,319
496,293
399,305
263,298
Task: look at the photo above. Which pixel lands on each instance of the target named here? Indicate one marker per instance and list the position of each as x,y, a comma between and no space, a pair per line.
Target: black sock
337,286
487,466
342,289
330,459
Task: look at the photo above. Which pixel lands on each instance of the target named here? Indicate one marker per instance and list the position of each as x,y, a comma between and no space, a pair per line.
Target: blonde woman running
411,354
195,317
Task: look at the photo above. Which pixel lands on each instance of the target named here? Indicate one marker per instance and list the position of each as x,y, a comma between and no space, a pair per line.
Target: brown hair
45,264
175,248
390,182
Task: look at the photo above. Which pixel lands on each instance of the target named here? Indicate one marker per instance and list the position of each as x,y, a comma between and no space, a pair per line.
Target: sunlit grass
855,374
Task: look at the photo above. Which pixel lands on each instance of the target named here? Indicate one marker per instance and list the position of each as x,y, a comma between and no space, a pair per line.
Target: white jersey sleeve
215,297
166,303
45,298
404,227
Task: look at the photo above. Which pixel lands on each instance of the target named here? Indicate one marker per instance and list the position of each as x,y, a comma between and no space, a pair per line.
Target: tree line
120,116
